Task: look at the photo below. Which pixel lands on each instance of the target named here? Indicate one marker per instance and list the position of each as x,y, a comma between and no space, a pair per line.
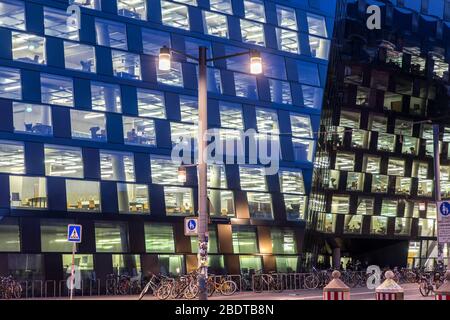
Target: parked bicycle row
185,286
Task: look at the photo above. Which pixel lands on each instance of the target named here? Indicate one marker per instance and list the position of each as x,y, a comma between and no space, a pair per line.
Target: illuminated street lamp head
255,62
164,59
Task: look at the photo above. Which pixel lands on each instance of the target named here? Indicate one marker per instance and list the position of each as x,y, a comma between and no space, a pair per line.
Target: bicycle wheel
17,291
311,282
164,291
228,288
277,286
258,285
124,287
424,288
144,291
191,291
211,288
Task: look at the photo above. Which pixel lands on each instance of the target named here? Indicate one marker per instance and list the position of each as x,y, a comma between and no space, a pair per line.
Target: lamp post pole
202,174
202,143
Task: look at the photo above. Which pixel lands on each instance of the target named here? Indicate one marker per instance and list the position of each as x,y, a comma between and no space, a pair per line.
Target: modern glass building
373,197
88,122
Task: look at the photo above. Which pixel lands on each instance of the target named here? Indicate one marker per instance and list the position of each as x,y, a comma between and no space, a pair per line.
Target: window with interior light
106,97
139,131
283,241
135,9
280,91
10,83
56,90
151,103
254,10
253,32
12,14
244,239
133,198
231,115
165,171
260,205
215,24
286,17
32,119
111,237
178,201
28,48
172,77
340,204
79,57
287,40
175,15
88,125
159,237
63,161
91,4
54,235
154,40
117,166
83,196
55,24
126,65
111,34
252,178
345,161
28,192
312,96
223,6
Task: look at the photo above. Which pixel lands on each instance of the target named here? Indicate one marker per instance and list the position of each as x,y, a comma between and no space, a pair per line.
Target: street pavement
411,293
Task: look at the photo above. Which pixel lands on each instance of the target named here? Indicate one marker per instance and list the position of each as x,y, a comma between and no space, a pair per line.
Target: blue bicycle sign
190,226
445,208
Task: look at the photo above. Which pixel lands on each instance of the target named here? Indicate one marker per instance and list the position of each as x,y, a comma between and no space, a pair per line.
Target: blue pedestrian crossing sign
190,226
74,233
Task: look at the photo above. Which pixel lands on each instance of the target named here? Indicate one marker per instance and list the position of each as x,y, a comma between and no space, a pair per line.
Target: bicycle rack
46,283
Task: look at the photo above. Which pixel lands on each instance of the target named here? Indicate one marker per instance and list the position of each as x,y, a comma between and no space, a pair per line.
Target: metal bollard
389,289
443,292
336,289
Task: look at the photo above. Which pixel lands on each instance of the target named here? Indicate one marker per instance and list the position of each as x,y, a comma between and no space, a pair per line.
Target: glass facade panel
244,239
106,97
79,57
253,32
12,14
136,9
56,90
83,196
9,235
28,192
56,24
126,65
111,34
111,237
179,201
175,15
151,104
32,119
133,198
54,236
139,131
10,83
28,48
260,205
63,161
88,125
283,241
215,24
159,238
117,166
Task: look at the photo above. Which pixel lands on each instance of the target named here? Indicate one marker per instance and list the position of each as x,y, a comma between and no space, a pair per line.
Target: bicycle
225,287
430,283
10,288
154,283
318,278
272,281
184,286
118,284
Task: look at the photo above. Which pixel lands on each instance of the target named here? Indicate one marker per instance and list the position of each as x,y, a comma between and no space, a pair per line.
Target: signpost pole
437,189
72,274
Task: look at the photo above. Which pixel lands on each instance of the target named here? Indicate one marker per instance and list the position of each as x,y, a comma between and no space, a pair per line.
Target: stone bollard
336,289
389,289
443,292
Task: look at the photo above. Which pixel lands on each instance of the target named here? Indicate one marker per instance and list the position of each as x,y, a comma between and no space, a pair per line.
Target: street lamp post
202,60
